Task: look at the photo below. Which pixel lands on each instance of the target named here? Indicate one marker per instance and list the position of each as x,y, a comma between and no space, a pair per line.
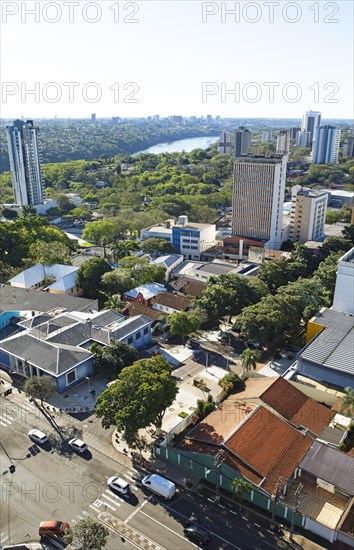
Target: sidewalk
80,398
151,463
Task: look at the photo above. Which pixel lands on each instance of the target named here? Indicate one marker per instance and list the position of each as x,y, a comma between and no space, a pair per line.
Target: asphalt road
52,482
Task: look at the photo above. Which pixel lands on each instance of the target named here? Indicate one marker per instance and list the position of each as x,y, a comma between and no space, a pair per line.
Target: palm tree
249,358
202,386
115,303
104,243
348,401
239,487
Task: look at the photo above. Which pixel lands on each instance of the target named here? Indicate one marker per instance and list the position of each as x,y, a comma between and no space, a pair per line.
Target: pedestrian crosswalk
111,501
5,419
17,410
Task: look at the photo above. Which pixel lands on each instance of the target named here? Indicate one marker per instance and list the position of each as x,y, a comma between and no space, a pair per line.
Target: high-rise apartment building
294,131
310,122
283,142
308,214
302,138
348,147
225,146
326,146
267,136
258,198
242,142
25,162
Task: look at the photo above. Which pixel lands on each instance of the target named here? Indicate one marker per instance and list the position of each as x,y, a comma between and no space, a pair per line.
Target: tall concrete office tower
25,162
326,145
242,142
258,198
310,122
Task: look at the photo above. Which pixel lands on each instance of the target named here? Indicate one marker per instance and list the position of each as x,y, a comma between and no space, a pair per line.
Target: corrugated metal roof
148,291
330,465
333,346
21,299
107,317
35,274
168,260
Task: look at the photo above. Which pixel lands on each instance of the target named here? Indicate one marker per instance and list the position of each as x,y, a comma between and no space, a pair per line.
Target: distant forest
67,140
64,140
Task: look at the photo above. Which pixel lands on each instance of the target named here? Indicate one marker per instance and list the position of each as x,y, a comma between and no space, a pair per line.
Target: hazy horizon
134,59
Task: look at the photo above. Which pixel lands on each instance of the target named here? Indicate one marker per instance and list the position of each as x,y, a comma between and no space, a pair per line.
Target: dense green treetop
140,396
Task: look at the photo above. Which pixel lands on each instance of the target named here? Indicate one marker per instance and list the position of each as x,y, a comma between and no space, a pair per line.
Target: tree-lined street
52,482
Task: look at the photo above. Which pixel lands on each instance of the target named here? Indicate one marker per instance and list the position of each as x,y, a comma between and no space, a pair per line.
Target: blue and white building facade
326,145
59,345
192,239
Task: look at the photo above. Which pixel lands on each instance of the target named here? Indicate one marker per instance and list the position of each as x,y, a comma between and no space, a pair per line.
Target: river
180,145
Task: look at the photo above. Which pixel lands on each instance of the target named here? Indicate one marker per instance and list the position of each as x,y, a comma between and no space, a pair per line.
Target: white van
159,485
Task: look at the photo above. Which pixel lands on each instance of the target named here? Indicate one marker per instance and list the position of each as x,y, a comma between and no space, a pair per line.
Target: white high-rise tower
25,162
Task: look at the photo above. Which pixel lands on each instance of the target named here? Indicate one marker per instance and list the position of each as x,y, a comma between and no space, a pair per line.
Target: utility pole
218,462
276,494
298,495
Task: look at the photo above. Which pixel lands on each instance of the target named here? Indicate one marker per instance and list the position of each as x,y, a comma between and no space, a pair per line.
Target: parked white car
78,445
37,436
118,484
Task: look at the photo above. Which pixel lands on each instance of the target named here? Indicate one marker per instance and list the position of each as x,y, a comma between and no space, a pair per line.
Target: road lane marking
109,506
113,495
256,524
188,519
137,510
94,507
110,500
171,530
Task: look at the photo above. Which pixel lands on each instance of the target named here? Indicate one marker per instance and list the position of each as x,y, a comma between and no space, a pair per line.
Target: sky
276,59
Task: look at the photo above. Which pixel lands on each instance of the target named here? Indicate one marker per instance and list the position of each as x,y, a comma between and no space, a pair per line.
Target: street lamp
89,384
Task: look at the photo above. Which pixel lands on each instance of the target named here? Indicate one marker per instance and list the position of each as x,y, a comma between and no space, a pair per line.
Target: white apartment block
25,163
344,292
283,142
308,214
258,198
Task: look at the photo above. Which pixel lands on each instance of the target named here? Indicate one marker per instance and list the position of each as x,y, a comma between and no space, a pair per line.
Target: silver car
37,436
78,445
118,484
